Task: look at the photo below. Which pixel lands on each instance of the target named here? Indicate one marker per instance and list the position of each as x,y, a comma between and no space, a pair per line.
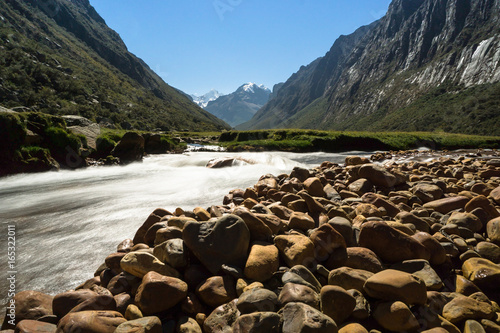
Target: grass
336,141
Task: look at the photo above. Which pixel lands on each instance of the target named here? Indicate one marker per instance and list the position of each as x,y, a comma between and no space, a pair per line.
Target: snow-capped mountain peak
250,87
203,100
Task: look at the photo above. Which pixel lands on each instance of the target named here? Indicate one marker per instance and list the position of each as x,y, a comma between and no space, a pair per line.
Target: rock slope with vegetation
59,57
360,247
426,65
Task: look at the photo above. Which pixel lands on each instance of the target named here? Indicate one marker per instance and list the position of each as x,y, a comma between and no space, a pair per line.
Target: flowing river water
67,222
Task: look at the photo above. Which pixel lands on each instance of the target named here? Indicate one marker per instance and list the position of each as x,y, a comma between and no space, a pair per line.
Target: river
67,222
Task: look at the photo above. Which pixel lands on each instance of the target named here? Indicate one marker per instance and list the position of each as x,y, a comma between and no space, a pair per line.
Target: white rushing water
67,222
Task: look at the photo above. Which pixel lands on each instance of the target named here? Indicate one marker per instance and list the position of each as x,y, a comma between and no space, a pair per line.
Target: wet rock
299,317
224,241
356,160
217,290
158,293
141,325
262,261
395,316
349,278
482,272
258,322
337,303
296,249
257,300
140,263
389,244
393,285
90,322
130,148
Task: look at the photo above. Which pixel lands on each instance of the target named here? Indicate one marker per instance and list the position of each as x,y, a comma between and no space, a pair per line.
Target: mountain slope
426,65
60,57
241,105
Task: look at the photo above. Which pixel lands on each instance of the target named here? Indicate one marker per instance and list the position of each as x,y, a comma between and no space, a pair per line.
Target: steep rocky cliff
60,57
426,65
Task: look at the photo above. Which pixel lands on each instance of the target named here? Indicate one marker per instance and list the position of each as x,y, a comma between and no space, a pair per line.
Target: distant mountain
241,105
427,65
60,57
203,100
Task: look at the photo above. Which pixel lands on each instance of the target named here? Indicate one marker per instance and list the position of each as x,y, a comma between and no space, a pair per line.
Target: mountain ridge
71,62
426,65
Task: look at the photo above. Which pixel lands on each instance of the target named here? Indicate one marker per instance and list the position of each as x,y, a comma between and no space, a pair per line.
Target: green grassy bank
336,141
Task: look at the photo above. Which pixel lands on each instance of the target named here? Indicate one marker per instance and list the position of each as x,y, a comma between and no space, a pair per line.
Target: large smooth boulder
140,263
217,243
446,205
130,148
158,293
349,278
293,292
390,244
262,262
90,322
27,305
394,285
378,175
257,300
295,249
64,302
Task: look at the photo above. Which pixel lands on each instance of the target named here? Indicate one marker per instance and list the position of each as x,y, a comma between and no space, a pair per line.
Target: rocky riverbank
409,246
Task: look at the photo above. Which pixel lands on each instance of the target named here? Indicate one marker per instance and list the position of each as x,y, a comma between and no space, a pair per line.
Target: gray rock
220,242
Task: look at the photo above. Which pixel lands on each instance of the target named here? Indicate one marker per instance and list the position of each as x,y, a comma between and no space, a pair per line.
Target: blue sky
197,45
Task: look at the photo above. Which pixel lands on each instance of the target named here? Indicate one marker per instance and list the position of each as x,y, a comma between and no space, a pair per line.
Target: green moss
12,132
